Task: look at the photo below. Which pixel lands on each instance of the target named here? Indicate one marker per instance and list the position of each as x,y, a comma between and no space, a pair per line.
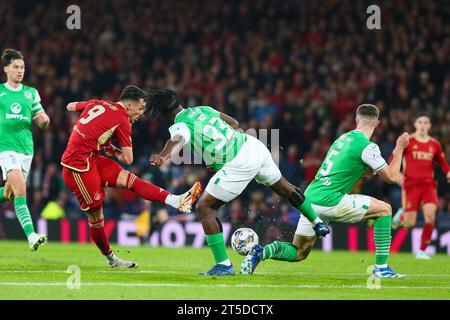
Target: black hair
163,101
423,114
9,55
132,93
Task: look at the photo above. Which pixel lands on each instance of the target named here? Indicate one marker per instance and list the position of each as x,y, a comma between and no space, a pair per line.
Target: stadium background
298,66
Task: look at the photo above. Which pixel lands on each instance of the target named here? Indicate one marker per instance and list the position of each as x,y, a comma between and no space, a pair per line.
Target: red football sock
97,231
146,189
426,235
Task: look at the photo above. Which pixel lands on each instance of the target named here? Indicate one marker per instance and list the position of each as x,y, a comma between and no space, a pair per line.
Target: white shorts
10,160
253,161
351,209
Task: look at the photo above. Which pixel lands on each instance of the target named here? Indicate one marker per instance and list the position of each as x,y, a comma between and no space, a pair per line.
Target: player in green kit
237,158
19,106
345,163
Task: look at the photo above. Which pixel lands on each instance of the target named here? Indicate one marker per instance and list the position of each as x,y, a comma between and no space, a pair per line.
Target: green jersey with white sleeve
345,163
208,135
18,106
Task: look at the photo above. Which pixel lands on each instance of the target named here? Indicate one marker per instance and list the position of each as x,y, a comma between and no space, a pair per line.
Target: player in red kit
86,173
418,185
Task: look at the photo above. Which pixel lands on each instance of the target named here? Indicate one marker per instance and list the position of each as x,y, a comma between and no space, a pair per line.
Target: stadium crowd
298,66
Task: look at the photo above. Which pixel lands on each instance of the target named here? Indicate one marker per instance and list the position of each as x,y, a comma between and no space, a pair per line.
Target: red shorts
419,194
88,186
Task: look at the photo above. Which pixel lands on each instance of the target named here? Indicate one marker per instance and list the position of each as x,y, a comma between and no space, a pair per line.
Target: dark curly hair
163,101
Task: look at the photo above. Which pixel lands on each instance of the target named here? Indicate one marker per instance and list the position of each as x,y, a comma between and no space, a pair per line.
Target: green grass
172,274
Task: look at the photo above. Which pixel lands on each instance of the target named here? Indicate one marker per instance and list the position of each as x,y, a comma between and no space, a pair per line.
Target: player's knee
387,209
122,179
296,198
19,191
302,253
202,208
408,222
95,214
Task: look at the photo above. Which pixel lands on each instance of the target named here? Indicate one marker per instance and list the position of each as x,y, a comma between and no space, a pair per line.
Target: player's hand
400,179
156,160
42,120
71,106
112,151
403,140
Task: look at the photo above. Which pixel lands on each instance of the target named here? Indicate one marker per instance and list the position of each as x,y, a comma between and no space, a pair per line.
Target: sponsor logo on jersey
16,108
28,95
420,155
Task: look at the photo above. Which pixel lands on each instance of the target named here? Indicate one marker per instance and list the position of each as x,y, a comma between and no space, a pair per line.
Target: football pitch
171,274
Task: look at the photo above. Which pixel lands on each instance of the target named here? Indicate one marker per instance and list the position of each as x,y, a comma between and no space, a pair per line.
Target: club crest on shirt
28,95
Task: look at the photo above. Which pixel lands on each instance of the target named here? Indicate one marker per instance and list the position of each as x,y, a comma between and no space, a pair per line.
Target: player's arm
389,173
39,116
179,136
442,161
124,155
123,135
76,106
172,146
42,119
231,121
400,178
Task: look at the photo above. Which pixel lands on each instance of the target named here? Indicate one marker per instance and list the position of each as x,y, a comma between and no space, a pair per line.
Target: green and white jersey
17,109
346,161
209,136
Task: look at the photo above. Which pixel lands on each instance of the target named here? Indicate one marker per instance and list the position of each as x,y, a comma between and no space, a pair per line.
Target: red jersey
100,121
418,161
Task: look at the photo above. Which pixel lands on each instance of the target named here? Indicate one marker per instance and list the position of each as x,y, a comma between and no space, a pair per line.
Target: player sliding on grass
86,173
238,158
19,105
346,162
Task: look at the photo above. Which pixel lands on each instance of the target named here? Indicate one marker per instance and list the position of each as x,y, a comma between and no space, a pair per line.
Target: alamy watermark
74,280
372,281
374,20
73,22
220,147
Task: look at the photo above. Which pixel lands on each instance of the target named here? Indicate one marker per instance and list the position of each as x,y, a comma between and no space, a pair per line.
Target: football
243,240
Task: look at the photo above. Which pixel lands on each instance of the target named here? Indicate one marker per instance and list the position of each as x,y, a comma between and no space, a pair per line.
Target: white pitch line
177,272
115,284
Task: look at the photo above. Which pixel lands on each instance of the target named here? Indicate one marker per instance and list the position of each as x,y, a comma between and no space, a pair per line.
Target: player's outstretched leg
281,251
297,199
151,192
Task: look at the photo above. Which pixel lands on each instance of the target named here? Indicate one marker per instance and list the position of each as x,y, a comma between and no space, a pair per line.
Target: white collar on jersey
122,105
12,88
